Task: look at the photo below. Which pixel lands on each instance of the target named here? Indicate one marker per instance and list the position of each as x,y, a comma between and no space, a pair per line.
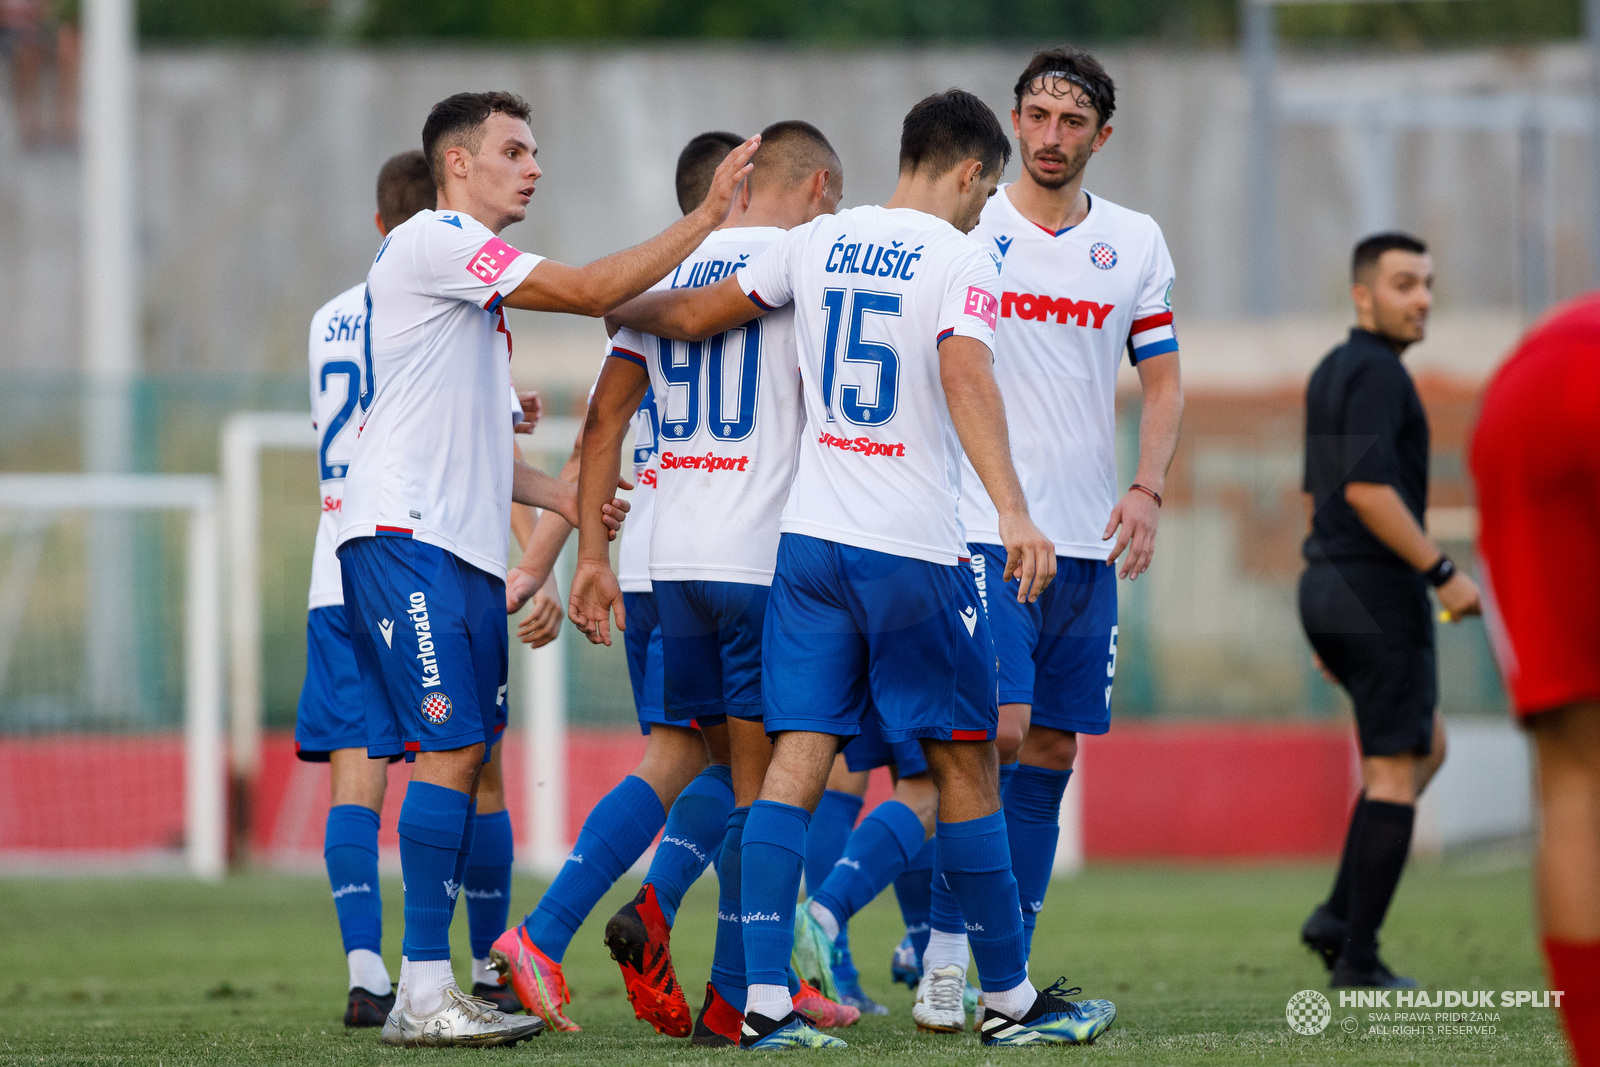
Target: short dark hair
458,120
946,128
405,187
791,151
698,162
1079,69
1370,249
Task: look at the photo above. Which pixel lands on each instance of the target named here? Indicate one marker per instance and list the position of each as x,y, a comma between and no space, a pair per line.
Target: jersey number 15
844,305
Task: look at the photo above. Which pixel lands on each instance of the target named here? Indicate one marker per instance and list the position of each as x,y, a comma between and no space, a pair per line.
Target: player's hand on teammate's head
520,585
735,168
532,411
1136,515
542,624
1459,597
595,595
1030,556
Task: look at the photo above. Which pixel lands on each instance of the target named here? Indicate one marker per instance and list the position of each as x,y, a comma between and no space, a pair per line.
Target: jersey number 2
352,392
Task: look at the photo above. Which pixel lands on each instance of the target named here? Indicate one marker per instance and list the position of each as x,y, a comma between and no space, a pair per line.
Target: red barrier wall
1211,791
1217,791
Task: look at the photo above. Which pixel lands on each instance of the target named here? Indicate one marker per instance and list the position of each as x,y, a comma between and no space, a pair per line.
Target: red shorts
1535,455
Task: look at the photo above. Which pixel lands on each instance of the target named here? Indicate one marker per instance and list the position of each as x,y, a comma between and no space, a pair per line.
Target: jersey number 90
706,378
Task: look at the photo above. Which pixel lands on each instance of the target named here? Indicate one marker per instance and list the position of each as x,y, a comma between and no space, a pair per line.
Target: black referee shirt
1364,423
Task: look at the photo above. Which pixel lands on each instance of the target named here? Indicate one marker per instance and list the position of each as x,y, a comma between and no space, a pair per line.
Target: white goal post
204,782
245,436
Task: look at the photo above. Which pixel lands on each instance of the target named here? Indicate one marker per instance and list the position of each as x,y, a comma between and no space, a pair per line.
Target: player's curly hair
458,121
1079,69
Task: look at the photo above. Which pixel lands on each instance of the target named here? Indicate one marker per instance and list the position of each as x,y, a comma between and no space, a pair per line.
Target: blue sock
794,977
913,887
844,965
1032,803
880,848
350,849
774,847
615,834
488,881
976,861
432,822
727,959
831,825
696,824
469,834
944,911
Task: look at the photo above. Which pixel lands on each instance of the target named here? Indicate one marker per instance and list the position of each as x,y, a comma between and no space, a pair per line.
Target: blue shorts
429,633
868,751
1060,652
330,715
642,639
711,649
850,629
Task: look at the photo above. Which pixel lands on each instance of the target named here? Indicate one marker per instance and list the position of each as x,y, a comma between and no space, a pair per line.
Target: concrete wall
257,170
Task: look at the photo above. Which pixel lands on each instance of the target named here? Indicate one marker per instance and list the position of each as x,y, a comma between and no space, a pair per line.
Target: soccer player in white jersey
673,791
873,602
1085,284
422,540
729,417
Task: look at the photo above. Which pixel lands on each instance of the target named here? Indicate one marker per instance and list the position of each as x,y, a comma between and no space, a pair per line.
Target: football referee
1363,596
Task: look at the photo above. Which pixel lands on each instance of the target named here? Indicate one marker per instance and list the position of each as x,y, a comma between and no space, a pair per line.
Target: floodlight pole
1261,171
111,327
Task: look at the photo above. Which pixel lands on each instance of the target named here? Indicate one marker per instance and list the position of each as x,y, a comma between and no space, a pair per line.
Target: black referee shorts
1372,626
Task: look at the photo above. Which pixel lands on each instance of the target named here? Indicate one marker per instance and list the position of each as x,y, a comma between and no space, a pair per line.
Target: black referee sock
1385,838
1338,904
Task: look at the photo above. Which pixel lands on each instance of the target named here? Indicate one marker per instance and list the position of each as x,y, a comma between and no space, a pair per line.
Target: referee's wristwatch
1441,572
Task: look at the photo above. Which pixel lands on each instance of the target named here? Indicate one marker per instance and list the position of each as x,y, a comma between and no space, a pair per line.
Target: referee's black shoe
1323,933
1349,975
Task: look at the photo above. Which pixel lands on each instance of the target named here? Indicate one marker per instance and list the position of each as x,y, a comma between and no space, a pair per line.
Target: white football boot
941,1001
460,1021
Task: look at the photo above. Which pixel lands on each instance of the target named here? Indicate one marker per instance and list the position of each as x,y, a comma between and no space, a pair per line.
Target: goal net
110,673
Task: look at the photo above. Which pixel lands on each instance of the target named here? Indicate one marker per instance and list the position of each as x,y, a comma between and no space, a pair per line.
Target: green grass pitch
1200,960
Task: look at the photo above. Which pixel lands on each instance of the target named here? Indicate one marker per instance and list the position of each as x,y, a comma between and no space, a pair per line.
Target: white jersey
337,351
729,411
1071,304
875,290
633,558
432,458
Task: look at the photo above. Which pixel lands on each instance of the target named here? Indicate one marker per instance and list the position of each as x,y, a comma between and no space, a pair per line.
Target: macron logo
386,628
969,615
451,888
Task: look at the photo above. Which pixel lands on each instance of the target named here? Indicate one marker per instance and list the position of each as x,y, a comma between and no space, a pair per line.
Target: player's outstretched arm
688,314
602,285
966,369
543,546
530,485
1137,513
595,593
